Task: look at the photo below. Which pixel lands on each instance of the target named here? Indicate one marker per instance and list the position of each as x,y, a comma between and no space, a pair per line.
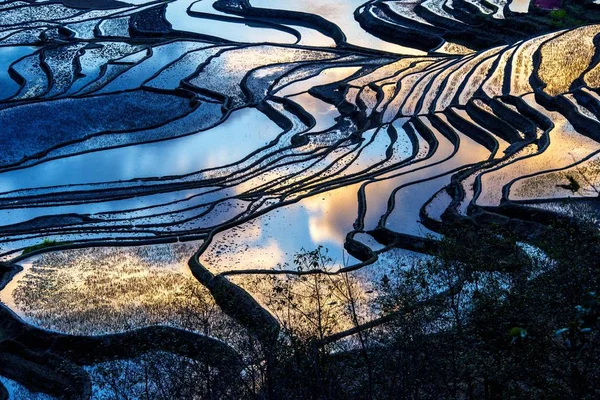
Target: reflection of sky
161,56
519,6
566,147
243,132
324,113
273,238
320,220
239,32
340,13
408,201
329,75
14,216
224,144
6,295
310,37
8,55
221,145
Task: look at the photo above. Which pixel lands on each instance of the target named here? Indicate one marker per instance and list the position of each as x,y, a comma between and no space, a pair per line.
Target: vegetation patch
45,244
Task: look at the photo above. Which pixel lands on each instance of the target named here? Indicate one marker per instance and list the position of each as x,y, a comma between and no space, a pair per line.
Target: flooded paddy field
191,188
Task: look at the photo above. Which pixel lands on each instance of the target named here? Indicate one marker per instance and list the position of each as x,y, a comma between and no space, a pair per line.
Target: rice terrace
299,199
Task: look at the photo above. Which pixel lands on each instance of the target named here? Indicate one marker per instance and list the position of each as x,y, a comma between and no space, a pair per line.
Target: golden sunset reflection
340,13
327,76
566,146
106,290
558,184
273,238
566,58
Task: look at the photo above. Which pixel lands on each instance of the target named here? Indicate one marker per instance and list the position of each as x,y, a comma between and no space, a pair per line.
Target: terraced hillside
136,136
